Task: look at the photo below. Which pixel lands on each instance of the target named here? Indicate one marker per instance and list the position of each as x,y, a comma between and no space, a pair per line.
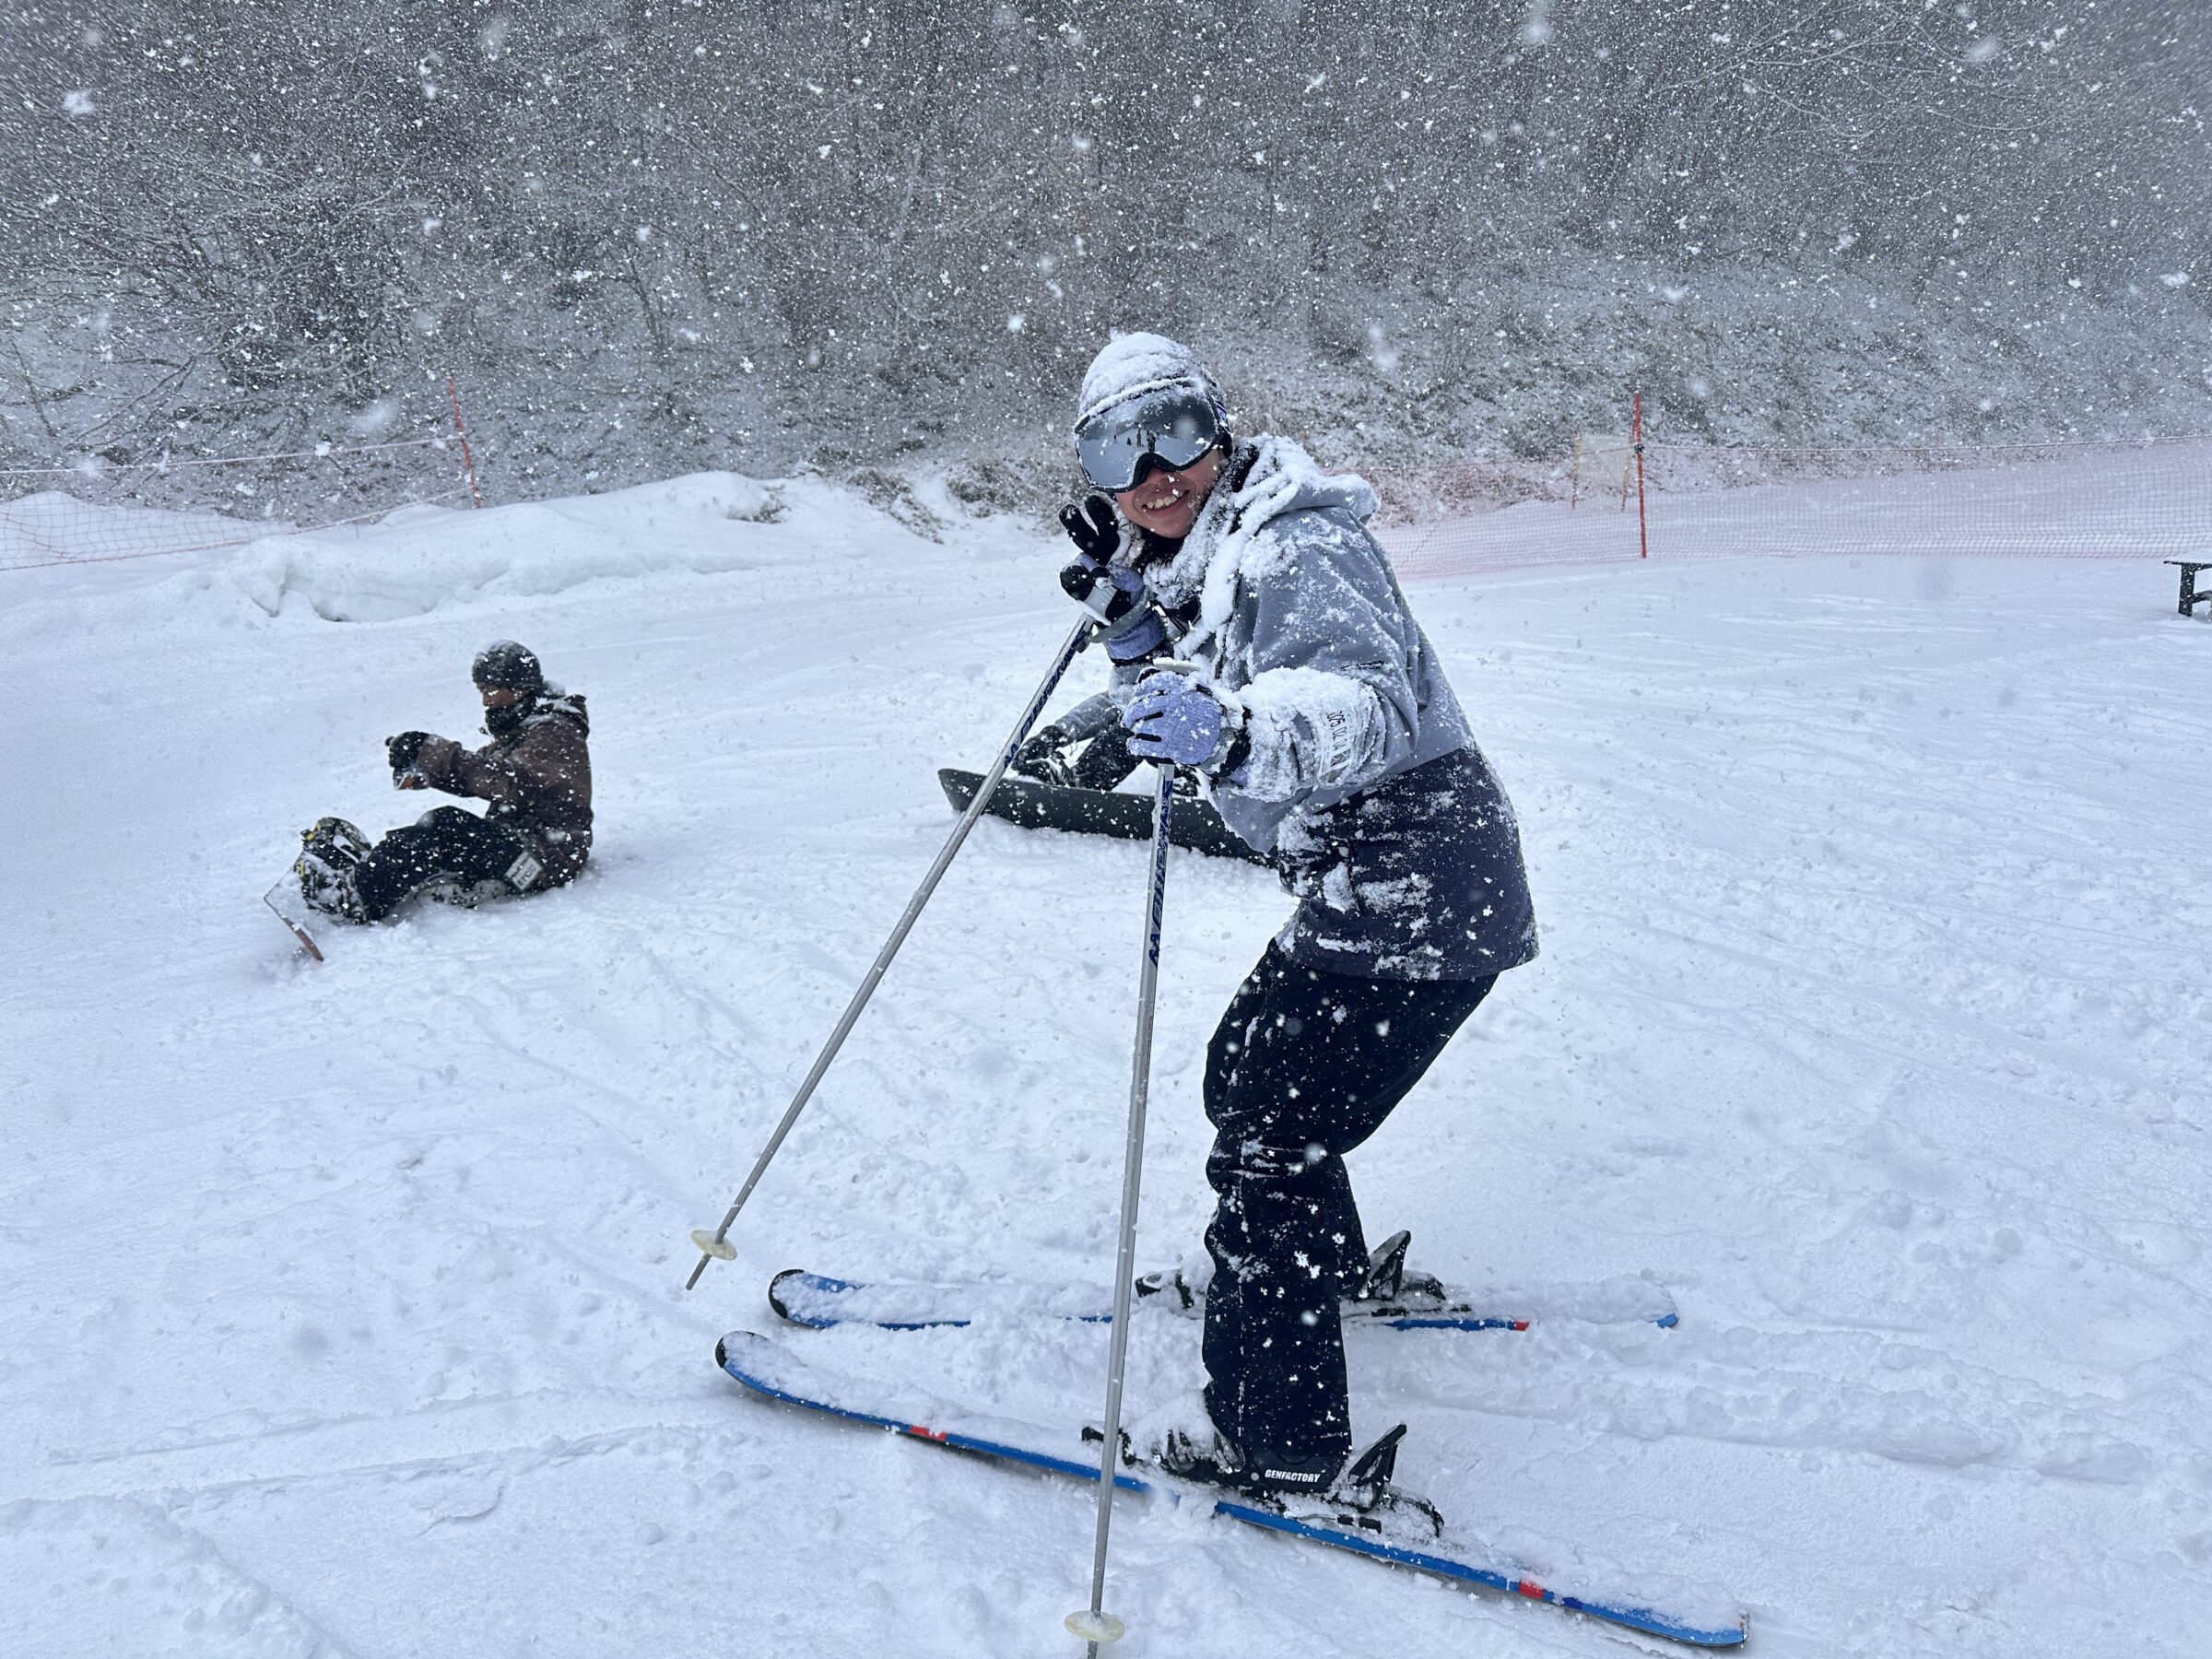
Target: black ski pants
1304,1066
445,844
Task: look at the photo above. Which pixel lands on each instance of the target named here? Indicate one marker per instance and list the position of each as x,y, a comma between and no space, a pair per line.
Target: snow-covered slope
343,1303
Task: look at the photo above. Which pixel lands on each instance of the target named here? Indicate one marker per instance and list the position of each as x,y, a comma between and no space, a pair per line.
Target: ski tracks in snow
344,1301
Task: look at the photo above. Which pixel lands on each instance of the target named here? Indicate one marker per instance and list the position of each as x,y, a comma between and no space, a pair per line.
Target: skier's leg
445,844
1304,1066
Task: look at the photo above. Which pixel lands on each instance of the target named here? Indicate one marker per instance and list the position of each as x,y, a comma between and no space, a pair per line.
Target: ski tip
792,1291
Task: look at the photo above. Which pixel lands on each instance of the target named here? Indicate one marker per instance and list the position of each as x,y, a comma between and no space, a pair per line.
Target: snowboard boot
1040,760
330,854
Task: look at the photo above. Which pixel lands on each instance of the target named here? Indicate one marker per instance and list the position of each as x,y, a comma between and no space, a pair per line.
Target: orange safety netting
2118,500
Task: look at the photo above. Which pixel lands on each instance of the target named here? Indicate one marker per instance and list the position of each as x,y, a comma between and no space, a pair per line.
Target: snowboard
291,909
1681,1613
1193,823
820,1302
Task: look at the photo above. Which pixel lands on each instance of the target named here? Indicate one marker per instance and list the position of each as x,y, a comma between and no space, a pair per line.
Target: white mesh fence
98,511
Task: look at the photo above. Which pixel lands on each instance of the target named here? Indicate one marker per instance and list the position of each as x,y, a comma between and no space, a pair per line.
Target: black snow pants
1105,760
445,844
1304,1066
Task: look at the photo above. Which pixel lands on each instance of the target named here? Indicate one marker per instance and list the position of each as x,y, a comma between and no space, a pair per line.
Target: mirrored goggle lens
1175,430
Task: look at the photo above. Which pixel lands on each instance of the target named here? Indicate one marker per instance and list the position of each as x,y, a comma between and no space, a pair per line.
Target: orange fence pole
468,461
1643,532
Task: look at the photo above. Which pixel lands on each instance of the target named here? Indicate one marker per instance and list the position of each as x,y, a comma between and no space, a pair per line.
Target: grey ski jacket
1363,781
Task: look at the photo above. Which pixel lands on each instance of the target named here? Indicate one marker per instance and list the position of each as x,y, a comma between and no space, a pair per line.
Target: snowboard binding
330,854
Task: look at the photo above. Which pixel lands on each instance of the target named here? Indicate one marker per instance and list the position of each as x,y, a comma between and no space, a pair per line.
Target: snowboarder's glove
403,749
1175,718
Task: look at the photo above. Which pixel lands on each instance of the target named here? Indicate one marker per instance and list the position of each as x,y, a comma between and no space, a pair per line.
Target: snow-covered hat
1134,364
509,667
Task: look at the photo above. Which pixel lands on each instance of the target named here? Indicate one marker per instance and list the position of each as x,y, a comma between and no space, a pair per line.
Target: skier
535,771
1321,723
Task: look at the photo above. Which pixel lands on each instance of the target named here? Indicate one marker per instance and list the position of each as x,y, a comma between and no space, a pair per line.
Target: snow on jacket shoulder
537,778
1362,778
1301,621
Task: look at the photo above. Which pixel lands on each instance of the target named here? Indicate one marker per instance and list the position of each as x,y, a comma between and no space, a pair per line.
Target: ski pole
1094,1624
715,1245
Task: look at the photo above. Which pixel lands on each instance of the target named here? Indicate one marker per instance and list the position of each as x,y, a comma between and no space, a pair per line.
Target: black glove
403,749
1096,534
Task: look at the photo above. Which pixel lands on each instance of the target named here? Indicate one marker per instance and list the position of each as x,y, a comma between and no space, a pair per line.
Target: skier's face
1167,503
500,697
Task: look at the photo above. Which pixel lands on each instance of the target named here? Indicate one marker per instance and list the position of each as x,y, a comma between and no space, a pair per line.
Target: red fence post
1643,532
468,461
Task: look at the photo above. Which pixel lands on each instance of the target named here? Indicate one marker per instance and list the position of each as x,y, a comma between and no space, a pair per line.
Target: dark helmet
509,667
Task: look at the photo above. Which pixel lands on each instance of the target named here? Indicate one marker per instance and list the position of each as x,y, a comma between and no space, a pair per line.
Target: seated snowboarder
535,771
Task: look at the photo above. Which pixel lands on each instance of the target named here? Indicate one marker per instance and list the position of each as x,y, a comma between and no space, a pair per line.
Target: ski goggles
1166,429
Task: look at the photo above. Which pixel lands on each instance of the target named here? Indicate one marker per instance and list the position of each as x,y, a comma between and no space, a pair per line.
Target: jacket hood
1279,477
555,704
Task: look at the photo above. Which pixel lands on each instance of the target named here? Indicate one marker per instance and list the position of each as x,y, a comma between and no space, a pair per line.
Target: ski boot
1210,1458
1173,1288
1358,1493
330,853
1384,1288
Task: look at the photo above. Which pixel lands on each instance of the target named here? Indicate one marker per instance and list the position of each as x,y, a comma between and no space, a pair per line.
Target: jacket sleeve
1330,701
483,774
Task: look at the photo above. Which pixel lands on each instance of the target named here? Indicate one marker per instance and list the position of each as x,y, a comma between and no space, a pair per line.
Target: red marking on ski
1530,1588
928,1434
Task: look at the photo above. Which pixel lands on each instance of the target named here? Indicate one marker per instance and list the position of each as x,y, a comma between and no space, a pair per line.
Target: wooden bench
2191,598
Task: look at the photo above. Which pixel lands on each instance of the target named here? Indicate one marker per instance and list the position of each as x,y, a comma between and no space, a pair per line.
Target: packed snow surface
344,1302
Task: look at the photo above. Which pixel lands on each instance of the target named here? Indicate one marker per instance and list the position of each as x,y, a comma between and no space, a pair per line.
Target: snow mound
422,557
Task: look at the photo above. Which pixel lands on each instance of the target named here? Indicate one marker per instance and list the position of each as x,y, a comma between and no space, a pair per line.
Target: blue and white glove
1174,719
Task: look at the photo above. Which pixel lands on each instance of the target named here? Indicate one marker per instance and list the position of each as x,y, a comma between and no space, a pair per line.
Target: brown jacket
537,778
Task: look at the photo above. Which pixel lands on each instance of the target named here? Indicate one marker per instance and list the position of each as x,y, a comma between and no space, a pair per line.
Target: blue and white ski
819,1301
776,1373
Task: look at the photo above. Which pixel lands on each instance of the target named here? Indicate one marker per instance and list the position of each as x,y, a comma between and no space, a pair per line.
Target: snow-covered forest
647,238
